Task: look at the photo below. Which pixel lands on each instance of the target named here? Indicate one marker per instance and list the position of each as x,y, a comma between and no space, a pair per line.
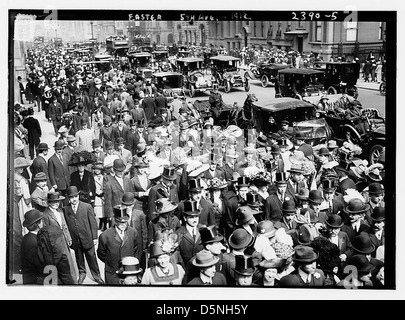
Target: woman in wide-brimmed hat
164,272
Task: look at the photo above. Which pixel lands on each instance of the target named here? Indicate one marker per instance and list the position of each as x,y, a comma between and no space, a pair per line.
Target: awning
296,33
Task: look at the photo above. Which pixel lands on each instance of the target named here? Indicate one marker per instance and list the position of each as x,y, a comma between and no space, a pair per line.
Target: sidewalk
361,84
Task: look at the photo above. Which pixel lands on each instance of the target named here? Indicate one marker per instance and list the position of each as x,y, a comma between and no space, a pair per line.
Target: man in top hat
189,233
83,228
98,150
212,241
244,271
166,188
376,230
117,242
40,164
274,203
356,210
285,131
115,187
331,203
39,195
229,166
287,221
206,262
58,169
213,171
29,247
205,207
306,273
124,154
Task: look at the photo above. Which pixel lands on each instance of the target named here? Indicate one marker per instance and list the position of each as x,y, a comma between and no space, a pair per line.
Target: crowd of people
138,182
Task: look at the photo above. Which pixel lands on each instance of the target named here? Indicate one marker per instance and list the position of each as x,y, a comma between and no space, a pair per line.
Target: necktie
194,235
74,209
60,158
308,281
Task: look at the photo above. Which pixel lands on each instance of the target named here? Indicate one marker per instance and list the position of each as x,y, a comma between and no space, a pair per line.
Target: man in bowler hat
116,243
83,228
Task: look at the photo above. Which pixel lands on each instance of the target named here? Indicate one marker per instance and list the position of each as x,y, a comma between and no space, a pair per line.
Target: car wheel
265,81
298,96
191,91
375,152
382,88
227,86
247,85
332,90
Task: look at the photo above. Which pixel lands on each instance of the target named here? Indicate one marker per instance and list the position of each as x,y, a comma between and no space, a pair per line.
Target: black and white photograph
195,148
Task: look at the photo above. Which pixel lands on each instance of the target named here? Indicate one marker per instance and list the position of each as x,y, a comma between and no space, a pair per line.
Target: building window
170,38
318,31
351,31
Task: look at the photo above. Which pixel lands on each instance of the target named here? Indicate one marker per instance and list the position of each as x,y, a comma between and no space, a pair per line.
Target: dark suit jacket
273,208
373,238
82,225
188,247
29,259
218,280
148,104
111,249
294,280
155,194
347,227
49,219
59,173
86,185
34,130
113,193
39,165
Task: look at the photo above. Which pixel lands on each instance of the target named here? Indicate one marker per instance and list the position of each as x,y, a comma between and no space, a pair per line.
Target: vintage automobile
161,58
301,114
182,53
141,64
299,82
195,80
226,72
146,48
265,72
366,131
101,62
117,45
169,83
340,77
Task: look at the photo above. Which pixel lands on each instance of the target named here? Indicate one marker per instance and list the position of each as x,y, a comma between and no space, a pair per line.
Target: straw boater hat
129,266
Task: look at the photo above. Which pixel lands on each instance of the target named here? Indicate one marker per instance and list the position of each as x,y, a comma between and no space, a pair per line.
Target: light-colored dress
99,201
22,187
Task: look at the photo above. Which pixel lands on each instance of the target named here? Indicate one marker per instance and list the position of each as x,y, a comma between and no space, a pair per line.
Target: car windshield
226,65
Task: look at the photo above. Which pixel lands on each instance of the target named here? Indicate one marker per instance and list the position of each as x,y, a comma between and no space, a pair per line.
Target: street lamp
92,36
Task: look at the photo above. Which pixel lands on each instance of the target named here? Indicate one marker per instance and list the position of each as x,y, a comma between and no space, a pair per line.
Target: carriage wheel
332,90
375,152
265,81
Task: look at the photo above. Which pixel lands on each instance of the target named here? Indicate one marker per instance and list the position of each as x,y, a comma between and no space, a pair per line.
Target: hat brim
366,208
244,272
123,274
370,250
55,200
173,177
217,238
314,257
273,263
25,224
241,245
72,195
208,264
334,225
